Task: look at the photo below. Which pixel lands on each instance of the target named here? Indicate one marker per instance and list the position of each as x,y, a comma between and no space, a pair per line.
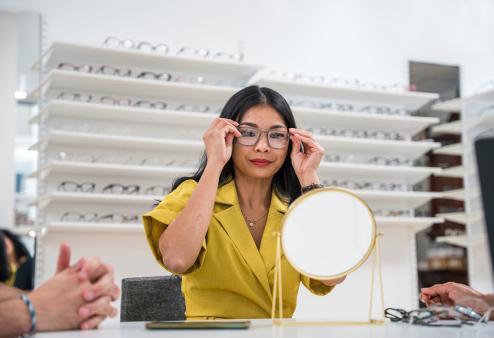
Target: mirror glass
328,233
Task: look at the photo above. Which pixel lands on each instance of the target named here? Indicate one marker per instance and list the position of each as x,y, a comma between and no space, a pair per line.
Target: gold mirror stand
277,293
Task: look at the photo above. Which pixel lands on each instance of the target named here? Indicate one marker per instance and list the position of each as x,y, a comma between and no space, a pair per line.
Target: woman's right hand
218,140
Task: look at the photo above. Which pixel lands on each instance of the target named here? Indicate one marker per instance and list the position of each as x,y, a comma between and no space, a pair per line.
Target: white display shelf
404,124
94,55
63,81
450,106
100,111
464,240
409,149
410,100
103,169
369,171
406,199
457,217
459,240
455,149
457,194
337,144
24,230
453,128
355,171
487,95
457,172
68,197
338,119
418,223
87,227
24,198
130,142
115,228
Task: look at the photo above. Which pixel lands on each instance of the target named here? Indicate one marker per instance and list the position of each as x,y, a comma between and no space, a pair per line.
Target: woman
216,227
16,263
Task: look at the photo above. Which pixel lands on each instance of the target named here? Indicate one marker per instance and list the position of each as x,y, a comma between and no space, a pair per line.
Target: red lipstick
260,162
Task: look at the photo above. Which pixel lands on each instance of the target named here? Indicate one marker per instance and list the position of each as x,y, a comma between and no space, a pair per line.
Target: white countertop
263,328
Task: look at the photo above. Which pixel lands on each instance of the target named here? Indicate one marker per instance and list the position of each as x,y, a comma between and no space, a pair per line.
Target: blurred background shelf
336,119
451,149
448,128
87,54
448,106
410,100
63,81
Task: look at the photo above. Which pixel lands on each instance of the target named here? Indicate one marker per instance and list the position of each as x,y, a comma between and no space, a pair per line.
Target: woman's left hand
305,163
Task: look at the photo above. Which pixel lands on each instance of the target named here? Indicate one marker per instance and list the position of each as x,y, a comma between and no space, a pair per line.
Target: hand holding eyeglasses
453,294
306,156
218,140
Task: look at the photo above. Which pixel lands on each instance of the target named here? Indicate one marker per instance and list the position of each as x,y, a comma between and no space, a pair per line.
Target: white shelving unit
448,106
155,133
455,149
457,217
456,171
457,194
460,240
404,124
84,227
408,100
448,128
408,175
338,144
84,54
121,245
62,80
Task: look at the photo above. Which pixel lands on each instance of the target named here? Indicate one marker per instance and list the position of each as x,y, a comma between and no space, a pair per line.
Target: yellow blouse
231,278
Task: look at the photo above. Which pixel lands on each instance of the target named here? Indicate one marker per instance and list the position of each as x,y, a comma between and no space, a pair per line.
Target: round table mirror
328,233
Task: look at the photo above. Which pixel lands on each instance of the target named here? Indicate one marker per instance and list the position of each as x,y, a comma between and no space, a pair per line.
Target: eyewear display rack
478,122
451,172
398,240
443,261
110,144
100,143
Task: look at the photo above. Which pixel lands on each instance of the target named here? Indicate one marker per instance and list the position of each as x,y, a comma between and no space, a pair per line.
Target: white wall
8,76
369,40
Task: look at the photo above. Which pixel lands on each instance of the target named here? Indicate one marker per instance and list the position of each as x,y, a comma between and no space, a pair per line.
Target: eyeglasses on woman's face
277,137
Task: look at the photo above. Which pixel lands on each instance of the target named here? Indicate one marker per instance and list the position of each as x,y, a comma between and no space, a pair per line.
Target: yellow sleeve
156,221
315,286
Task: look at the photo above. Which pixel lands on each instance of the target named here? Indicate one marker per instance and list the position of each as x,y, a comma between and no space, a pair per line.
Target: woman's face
261,160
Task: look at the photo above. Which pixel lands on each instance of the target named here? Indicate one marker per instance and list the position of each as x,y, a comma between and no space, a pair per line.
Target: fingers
439,293
92,323
224,126
115,293
301,132
101,307
94,269
219,121
105,286
97,269
309,141
63,261
229,129
296,142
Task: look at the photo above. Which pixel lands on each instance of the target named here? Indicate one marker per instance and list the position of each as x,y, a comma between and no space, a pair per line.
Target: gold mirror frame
376,268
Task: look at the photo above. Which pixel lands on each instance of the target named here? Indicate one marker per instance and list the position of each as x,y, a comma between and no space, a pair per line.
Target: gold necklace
251,222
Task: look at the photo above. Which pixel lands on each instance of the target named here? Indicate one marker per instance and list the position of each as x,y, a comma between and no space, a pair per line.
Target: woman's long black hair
19,249
285,182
